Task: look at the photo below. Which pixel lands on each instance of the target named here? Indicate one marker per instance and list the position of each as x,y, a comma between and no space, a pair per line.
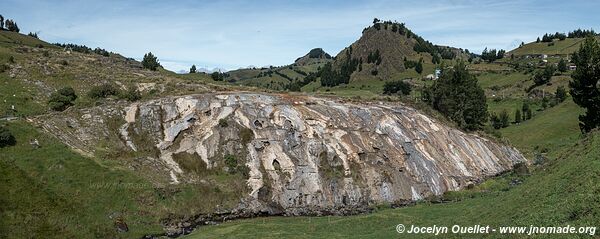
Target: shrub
223,123
504,119
561,94
62,99
6,137
103,91
131,94
246,135
231,163
217,76
495,121
393,87
3,68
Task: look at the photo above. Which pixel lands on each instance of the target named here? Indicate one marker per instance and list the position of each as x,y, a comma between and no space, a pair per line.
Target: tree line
8,24
421,44
549,37
492,55
83,49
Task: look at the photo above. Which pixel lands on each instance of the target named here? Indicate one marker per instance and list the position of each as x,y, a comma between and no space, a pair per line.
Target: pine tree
6,137
193,69
584,86
561,94
150,62
526,111
419,66
518,116
458,96
504,119
562,65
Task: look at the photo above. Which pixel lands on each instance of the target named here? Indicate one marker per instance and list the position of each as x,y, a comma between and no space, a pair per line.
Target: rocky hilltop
300,155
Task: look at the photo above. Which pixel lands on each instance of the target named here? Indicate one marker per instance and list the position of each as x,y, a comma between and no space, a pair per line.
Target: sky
233,34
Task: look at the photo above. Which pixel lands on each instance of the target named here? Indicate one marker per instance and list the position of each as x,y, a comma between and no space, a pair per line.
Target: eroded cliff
298,154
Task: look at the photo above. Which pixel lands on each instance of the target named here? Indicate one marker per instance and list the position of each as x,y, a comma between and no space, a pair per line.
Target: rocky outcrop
300,154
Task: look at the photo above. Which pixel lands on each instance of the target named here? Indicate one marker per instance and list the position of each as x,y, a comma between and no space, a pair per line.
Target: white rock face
307,154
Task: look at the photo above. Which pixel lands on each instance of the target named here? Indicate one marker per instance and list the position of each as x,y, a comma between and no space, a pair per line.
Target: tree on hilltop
150,62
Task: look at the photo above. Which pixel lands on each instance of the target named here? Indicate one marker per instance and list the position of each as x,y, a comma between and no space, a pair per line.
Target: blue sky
233,34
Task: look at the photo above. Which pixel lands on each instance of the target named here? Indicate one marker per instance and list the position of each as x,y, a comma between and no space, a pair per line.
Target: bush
223,123
6,137
103,91
504,119
4,68
495,121
561,94
131,94
231,163
217,76
62,99
393,87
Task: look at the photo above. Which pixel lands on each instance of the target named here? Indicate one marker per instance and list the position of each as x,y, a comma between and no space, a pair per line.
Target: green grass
554,128
26,100
53,192
568,46
58,193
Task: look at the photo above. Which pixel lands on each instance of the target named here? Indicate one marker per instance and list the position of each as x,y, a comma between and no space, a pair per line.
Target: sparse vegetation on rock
103,91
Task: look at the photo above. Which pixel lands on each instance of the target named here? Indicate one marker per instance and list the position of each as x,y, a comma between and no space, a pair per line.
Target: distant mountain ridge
316,53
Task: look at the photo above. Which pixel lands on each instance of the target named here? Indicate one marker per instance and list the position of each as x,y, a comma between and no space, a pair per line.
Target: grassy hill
556,47
283,77
53,192
32,69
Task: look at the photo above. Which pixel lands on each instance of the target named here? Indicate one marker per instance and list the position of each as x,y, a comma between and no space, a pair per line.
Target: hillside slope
33,69
382,49
283,78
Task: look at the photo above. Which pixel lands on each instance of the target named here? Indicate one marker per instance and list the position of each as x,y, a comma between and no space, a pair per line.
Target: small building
572,67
